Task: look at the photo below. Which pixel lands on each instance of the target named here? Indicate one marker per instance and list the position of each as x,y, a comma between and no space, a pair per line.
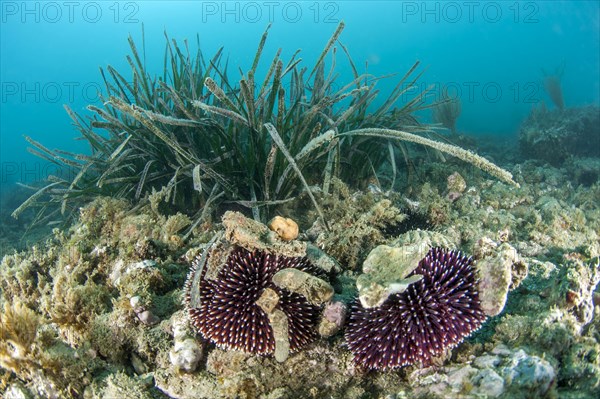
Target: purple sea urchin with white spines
433,314
227,313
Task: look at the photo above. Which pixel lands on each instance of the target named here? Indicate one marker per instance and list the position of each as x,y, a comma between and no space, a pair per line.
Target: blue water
490,54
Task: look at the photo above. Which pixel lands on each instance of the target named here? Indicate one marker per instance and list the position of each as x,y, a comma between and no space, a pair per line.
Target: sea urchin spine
433,314
227,312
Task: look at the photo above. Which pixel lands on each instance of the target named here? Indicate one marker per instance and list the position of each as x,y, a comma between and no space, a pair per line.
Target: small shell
285,228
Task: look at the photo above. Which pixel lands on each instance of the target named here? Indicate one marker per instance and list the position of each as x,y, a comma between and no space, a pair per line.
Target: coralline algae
495,264
582,280
186,354
334,316
186,351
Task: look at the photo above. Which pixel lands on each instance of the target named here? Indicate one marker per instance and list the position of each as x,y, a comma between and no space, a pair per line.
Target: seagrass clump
447,111
194,138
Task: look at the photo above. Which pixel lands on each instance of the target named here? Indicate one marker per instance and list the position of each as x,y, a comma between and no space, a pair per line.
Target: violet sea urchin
433,314
228,313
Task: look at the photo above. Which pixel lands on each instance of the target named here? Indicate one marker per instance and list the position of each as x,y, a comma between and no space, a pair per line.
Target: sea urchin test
234,299
433,314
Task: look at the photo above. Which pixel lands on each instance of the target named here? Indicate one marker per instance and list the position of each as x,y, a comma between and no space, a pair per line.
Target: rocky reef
97,311
556,135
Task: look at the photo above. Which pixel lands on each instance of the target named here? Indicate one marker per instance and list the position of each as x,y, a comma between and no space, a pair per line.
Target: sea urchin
227,312
433,314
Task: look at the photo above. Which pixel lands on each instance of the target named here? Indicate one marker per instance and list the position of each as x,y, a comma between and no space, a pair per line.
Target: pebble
530,372
148,318
334,316
186,355
486,361
488,384
136,304
17,391
501,350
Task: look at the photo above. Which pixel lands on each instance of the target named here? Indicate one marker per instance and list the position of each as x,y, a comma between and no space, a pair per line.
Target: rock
487,361
457,376
99,251
148,318
279,323
268,300
17,391
334,316
456,183
532,373
187,351
43,386
502,373
456,186
488,384
226,364
180,326
582,280
138,364
501,350
386,268
495,274
385,271
186,355
250,234
176,385
279,393
280,326
314,289
320,259
120,385
120,270
556,135
136,304
404,259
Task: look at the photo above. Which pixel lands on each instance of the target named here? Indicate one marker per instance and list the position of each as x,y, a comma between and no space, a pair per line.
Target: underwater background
490,54
477,188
